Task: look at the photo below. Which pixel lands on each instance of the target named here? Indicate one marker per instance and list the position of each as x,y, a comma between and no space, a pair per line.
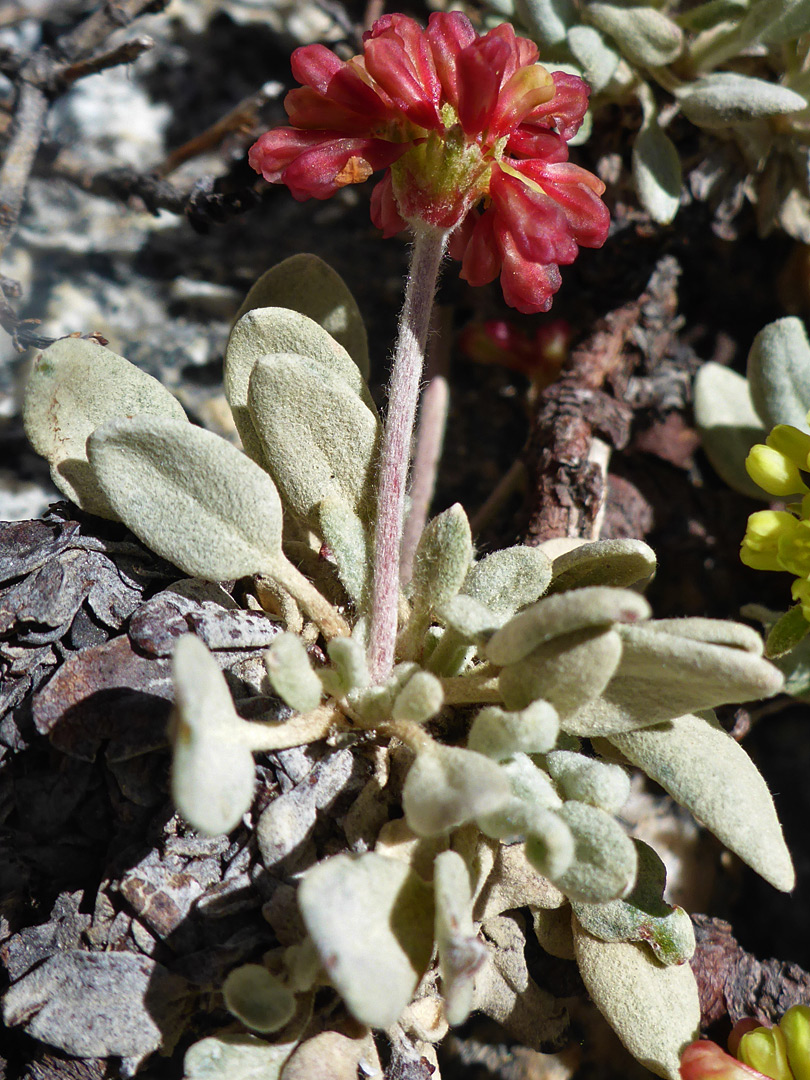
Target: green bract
502,664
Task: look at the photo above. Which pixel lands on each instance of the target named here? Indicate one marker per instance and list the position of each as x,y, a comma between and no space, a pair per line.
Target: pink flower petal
537,142
567,108
706,1061
398,57
526,90
311,110
482,259
528,286
384,211
538,225
315,164
577,191
482,68
315,65
448,33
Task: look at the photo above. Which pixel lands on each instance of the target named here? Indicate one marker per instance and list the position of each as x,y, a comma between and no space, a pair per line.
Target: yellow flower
760,546
774,471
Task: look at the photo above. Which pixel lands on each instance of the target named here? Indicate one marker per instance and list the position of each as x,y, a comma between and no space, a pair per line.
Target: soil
90,853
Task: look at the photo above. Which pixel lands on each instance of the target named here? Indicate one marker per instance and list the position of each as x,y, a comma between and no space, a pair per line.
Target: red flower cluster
472,133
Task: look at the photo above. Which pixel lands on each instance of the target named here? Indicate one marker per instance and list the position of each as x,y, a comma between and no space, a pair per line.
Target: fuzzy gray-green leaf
461,952
553,616
265,331
291,674
500,734
654,1010
371,919
598,60
706,771
617,563
548,20
75,386
657,173
212,769
728,424
569,671
506,580
447,786
318,437
726,98
605,861
645,36
643,915
308,285
779,373
588,780
258,998
347,539
189,496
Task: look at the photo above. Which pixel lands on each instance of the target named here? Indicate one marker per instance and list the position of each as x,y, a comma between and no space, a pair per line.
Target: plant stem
409,356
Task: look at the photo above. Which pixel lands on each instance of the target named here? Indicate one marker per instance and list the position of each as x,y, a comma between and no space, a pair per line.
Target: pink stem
403,392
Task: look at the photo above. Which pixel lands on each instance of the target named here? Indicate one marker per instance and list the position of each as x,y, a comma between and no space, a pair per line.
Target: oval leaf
308,285
710,774
657,174
728,424
653,1009
189,496
318,437
605,861
447,786
725,99
371,919
645,36
598,60
618,563
779,373
75,386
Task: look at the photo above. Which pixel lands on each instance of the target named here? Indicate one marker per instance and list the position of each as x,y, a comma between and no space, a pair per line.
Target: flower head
769,1053
472,134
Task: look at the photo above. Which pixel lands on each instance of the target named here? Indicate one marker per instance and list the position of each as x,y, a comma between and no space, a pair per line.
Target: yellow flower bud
774,472
795,1024
791,442
760,544
765,1050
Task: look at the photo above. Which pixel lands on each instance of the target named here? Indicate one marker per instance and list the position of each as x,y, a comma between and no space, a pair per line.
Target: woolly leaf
499,734
317,435
258,998
75,386
349,658
420,698
310,286
461,952
779,373
569,671
561,614
654,1009
442,559
468,618
728,424
645,36
212,769
336,1057
619,563
291,674
532,790
371,919
665,674
551,846
547,19
725,98
345,536
189,496
776,21
643,915
266,331
597,59
605,861
447,786
507,580
588,780
229,1056
657,173
710,774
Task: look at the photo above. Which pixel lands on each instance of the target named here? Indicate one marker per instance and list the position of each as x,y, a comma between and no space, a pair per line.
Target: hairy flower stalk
472,134
428,250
